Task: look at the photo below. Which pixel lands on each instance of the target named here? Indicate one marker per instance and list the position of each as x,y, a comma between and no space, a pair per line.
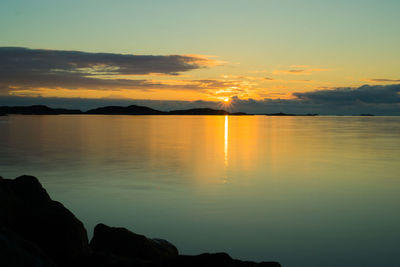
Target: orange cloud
297,71
204,60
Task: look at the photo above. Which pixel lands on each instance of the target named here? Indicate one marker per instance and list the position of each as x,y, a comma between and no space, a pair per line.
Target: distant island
129,110
111,110
285,114
133,110
36,110
365,115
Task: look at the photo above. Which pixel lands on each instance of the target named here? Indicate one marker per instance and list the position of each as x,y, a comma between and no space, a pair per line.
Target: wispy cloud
383,80
302,71
368,94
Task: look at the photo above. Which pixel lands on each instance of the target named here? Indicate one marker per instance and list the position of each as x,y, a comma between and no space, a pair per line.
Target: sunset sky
262,55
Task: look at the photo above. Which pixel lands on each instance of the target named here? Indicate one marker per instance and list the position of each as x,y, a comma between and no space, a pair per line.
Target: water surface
305,191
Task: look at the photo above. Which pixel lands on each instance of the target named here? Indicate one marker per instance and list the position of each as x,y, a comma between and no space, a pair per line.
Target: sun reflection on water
226,141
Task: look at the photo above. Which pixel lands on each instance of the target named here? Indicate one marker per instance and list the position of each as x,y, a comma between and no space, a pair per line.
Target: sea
305,191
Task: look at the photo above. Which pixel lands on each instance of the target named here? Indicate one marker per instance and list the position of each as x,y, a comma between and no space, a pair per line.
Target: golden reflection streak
226,141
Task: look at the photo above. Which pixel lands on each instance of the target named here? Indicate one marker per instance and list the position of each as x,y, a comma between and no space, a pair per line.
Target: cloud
384,80
300,71
269,79
368,94
277,72
379,100
38,68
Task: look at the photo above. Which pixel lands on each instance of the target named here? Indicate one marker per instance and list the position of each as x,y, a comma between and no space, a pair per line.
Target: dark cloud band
38,68
377,94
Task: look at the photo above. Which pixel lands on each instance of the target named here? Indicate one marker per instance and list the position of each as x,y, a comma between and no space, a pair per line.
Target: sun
225,103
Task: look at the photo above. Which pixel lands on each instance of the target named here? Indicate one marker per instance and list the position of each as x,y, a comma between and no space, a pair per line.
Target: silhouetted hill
115,110
142,110
199,111
280,114
37,110
286,114
365,115
130,110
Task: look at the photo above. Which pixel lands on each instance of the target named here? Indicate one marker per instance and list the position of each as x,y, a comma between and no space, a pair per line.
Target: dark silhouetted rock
18,252
28,211
130,110
37,110
124,243
215,259
37,231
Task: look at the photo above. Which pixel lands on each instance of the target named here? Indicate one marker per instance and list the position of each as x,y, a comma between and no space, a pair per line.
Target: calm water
305,191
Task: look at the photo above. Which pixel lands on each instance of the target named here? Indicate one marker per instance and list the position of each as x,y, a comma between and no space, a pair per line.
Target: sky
304,56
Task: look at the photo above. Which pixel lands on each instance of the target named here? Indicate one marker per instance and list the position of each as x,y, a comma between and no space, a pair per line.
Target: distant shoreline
138,110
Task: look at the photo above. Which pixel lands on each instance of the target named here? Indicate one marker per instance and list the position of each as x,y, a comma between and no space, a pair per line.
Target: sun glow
225,101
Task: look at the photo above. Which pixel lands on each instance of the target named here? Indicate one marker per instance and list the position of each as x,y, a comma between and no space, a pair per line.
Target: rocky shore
38,231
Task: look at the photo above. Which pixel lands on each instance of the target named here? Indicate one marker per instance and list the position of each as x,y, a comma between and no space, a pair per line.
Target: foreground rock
27,210
122,242
16,251
37,231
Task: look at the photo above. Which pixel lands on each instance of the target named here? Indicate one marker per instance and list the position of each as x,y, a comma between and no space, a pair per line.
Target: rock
28,189
124,243
28,211
17,252
130,249
215,259
37,231
164,245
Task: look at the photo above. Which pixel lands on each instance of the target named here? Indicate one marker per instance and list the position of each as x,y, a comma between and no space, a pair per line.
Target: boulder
30,213
124,243
215,259
18,252
121,247
37,231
